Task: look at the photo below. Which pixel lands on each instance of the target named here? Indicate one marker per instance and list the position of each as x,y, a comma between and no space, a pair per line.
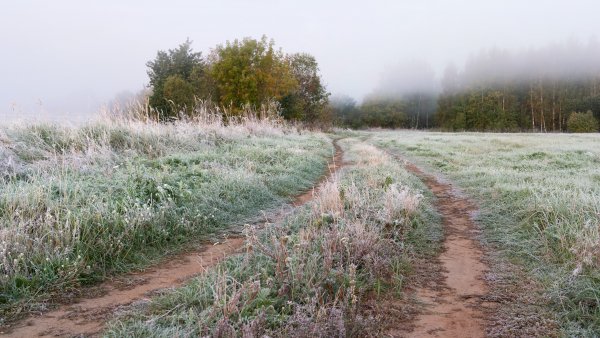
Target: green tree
582,122
179,93
250,72
182,67
308,100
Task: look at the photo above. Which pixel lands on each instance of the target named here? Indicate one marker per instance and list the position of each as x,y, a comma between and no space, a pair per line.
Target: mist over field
64,59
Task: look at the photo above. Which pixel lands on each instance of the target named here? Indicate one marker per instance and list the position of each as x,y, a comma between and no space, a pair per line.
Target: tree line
551,89
237,75
404,98
413,111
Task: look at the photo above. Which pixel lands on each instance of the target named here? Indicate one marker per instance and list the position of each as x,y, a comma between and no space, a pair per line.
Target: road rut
452,303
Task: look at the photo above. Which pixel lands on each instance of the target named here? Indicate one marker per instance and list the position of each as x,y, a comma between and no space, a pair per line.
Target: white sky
70,55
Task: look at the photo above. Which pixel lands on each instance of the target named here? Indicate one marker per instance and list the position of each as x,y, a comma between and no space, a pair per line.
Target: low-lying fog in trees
535,89
497,90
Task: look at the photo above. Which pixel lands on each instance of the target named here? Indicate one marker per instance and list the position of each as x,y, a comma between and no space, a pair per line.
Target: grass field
311,275
80,203
540,205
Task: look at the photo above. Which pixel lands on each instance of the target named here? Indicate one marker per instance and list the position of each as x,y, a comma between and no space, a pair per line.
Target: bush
582,122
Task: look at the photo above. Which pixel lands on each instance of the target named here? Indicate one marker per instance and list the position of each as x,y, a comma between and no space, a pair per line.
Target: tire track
452,304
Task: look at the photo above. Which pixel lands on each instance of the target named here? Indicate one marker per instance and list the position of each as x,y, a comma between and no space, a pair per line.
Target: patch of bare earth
451,298
467,292
87,316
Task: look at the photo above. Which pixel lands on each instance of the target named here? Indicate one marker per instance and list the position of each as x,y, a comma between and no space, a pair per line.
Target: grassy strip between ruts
78,203
311,275
540,205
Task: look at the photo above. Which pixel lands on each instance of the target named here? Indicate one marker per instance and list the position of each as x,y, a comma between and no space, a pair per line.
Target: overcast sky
69,55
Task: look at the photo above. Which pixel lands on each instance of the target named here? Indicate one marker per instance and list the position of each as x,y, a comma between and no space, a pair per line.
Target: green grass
78,204
312,274
540,204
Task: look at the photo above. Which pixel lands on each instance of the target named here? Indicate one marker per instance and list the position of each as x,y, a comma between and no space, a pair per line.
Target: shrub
582,122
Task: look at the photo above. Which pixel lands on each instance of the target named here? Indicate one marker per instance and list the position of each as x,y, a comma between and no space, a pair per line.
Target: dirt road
451,303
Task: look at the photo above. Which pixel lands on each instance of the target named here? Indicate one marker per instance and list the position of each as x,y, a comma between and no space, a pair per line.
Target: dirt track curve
452,303
88,316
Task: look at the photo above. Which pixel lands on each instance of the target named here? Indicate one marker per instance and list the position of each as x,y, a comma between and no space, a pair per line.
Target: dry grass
310,276
80,202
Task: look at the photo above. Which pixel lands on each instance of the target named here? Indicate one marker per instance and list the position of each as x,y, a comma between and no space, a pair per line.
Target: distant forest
543,90
532,90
